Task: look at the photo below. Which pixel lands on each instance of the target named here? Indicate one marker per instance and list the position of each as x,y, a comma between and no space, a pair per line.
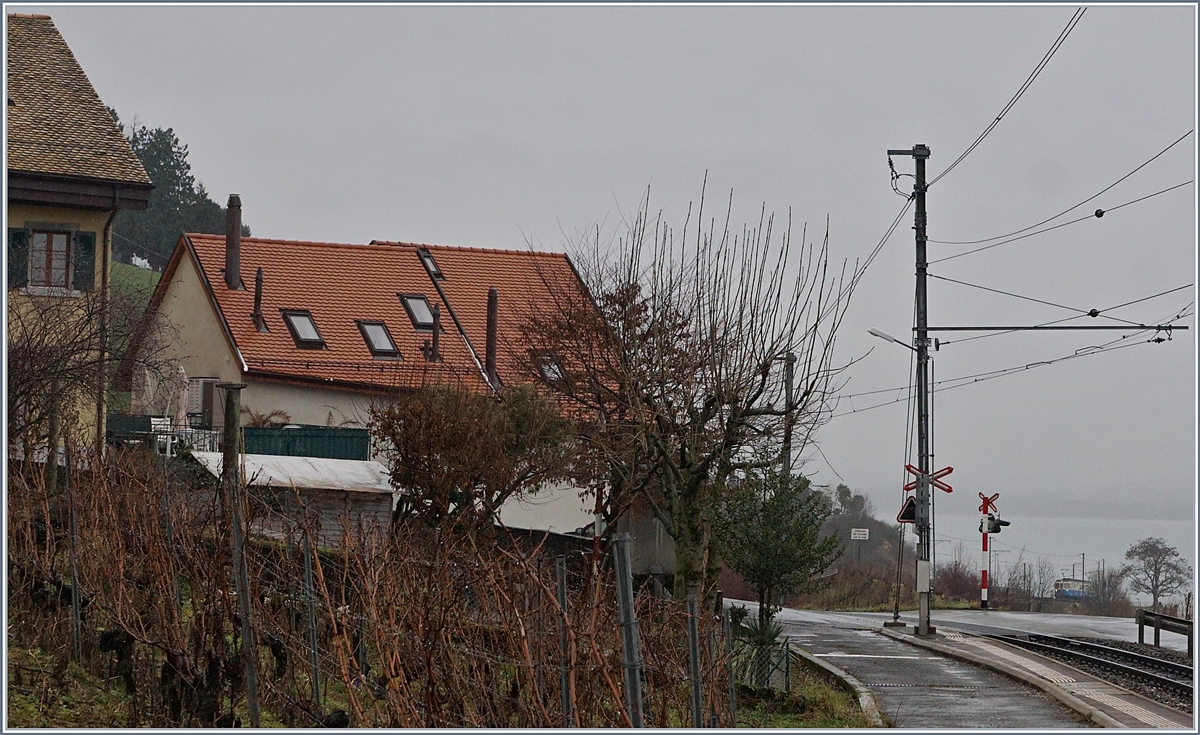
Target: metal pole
985,565
732,682
76,606
313,662
694,659
921,154
564,679
231,480
629,630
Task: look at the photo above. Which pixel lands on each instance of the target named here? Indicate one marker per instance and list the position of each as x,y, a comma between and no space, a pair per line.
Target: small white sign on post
860,534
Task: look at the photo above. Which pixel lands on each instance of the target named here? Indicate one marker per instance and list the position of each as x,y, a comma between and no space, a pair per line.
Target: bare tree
956,580
65,349
1156,568
1106,592
1015,593
1043,581
673,361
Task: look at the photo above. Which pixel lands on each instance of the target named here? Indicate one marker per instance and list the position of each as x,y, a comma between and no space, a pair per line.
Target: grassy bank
826,705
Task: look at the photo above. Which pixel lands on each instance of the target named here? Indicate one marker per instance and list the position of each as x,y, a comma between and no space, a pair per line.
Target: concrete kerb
866,701
1049,687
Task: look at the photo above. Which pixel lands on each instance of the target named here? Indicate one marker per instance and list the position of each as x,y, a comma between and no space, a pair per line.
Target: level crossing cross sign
934,479
989,504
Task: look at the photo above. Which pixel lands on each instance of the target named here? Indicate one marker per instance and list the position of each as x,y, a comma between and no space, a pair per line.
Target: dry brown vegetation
414,627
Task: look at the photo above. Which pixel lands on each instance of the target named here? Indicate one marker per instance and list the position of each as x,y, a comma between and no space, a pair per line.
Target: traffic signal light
994,524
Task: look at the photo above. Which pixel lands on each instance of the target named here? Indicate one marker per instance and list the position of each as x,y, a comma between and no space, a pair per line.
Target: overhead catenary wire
1084,312
965,380
1069,209
1098,214
1077,316
1010,546
1024,87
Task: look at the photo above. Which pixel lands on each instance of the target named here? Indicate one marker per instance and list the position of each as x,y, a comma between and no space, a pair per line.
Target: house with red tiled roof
319,331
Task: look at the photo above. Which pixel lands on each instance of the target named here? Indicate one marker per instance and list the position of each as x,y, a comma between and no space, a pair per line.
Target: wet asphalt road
917,689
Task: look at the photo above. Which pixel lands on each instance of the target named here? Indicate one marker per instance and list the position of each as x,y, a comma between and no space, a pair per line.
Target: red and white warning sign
989,504
935,479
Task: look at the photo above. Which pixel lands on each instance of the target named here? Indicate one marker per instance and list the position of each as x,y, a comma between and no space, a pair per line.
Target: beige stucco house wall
194,339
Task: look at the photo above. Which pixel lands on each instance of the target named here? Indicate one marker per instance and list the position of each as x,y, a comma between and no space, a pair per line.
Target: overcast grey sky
491,126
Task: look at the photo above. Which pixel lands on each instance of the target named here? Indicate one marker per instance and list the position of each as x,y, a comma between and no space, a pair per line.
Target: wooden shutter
84,261
18,257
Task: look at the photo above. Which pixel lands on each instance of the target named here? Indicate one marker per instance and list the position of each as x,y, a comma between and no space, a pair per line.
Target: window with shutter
51,261
84,261
18,257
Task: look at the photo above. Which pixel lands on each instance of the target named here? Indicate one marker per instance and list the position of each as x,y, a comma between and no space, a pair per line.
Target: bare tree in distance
673,360
1106,590
1043,581
1156,568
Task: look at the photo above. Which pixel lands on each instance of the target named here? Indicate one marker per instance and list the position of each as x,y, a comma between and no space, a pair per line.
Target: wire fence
390,627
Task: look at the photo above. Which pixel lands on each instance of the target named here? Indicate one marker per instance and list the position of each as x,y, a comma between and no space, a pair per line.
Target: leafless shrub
673,358
413,626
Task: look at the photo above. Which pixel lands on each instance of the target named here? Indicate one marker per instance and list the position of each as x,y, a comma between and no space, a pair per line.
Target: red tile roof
341,283
524,280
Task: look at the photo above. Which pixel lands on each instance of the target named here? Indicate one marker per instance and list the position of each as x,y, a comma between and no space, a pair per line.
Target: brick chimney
493,318
233,243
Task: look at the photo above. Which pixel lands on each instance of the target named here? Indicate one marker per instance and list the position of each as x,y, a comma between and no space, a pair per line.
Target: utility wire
1176,317
1072,318
1099,213
1084,312
1155,296
886,236
1069,209
1001,543
992,374
1037,70
143,248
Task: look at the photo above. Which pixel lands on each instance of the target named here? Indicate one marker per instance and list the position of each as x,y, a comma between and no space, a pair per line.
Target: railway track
1176,680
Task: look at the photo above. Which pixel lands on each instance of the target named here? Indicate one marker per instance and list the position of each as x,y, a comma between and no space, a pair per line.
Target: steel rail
1182,671
1183,687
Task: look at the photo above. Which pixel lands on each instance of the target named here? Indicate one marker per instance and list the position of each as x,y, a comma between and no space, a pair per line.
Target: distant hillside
132,281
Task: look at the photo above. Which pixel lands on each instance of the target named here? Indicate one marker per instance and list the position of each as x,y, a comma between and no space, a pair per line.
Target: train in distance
1071,589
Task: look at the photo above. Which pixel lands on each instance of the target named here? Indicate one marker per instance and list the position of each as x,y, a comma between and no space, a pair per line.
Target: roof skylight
418,310
378,339
304,330
430,264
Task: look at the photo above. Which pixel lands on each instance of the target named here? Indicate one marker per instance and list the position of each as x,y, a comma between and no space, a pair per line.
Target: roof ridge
471,249
275,241
34,16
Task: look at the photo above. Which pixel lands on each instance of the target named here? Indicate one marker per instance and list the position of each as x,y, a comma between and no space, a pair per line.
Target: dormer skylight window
303,329
549,367
430,264
419,311
379,339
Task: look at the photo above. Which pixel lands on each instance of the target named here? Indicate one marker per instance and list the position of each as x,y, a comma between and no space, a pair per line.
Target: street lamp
890,338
